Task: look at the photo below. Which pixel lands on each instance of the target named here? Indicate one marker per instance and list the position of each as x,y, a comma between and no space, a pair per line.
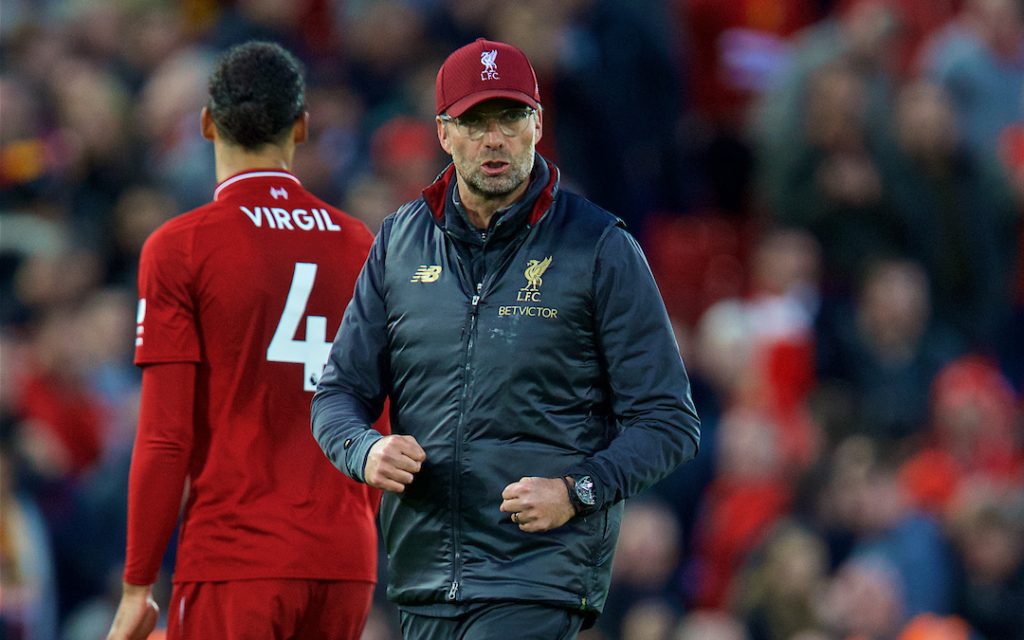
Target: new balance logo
427,273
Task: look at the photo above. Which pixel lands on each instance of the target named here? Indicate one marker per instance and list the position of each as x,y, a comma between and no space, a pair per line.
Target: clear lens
511,122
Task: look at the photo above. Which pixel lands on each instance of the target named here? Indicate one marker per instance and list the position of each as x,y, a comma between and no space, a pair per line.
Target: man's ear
442,136
207,125
539,126
301,131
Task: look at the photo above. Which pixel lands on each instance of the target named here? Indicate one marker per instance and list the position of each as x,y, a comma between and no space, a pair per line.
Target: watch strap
574,499
570,488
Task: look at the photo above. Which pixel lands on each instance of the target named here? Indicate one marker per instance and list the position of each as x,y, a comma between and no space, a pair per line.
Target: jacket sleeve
657,424
351,392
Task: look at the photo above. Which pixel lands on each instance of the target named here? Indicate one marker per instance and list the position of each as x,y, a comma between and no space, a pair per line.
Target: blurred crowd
829,192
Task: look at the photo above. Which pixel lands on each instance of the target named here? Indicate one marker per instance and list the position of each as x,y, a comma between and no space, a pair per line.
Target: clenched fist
538,504
393,462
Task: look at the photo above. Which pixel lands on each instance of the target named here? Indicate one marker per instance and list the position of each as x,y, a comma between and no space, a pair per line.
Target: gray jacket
540,348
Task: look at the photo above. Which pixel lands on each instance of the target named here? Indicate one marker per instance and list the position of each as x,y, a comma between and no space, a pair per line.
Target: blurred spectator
979,59
778,590
373,198
29,149
616,74
773,322
139,210
748,494
860,33
157,30
49,280
27,580
929,626
959,214
972,435
403,155
819,130
63,419
649,621
176,155
827,179
333,155
864,600
285,22
987,525
30,245
404,152
886,349
107,330
907,540
382,40
866,516
732,52
702,625
786,270
92,102
642,574
781,309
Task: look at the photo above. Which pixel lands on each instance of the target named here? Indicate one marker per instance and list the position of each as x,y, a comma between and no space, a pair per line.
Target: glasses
511,122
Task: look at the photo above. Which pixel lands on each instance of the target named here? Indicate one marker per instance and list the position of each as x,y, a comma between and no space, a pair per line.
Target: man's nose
493,136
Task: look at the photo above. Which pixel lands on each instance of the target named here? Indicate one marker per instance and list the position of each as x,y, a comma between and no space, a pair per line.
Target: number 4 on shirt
312,352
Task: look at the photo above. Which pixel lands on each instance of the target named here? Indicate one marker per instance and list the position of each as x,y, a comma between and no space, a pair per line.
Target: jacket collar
436,195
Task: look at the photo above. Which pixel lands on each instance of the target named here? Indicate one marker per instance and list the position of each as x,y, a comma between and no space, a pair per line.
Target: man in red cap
534,378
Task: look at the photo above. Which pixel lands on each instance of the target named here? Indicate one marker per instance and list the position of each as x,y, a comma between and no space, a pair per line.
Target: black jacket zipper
453,590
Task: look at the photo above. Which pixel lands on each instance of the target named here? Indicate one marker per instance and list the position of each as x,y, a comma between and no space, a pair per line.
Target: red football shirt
251,288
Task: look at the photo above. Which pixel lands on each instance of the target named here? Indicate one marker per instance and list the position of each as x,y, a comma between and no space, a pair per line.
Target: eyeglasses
511,122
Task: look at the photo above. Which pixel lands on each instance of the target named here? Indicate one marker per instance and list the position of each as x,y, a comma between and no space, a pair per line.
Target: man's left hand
537,504
136,615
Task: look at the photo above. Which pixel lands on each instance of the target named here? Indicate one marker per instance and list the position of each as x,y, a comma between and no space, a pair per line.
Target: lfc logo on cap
490,71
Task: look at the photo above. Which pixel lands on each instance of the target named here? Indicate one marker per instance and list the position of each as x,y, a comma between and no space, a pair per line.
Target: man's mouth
494,167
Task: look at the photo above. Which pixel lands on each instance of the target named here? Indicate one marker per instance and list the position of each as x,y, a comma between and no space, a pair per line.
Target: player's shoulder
179,232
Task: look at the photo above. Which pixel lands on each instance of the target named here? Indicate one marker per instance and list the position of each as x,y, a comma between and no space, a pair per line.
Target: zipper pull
476,298
454,590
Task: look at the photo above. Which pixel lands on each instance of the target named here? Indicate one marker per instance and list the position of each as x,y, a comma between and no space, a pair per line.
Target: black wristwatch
581,494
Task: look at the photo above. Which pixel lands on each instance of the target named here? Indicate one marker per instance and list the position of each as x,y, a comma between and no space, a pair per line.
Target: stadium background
829,192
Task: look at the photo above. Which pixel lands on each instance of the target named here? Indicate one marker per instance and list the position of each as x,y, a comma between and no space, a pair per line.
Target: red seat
697,260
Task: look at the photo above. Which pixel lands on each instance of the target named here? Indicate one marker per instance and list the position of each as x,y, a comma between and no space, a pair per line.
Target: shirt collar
243,176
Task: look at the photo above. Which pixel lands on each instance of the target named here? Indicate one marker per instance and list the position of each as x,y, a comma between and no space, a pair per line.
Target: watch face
585,490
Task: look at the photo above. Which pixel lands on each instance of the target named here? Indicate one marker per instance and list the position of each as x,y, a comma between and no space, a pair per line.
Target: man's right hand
136,614
392,463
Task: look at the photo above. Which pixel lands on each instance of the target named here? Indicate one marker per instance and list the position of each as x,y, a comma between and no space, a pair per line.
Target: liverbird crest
534,270
488,59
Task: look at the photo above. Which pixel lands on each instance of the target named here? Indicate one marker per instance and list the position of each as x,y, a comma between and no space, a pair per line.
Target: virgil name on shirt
289,219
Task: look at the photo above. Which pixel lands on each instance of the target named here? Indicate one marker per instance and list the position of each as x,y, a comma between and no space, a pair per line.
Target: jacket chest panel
539,302
534,316
428,306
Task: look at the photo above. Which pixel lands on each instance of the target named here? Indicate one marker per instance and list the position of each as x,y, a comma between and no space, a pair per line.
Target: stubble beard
497,187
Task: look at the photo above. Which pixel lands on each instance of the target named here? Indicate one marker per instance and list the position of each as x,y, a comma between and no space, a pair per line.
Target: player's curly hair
256,93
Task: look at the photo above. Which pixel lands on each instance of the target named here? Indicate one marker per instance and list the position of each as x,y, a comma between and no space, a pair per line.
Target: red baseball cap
484,70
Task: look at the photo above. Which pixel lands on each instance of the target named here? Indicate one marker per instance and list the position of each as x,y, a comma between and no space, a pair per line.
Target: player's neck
232,160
